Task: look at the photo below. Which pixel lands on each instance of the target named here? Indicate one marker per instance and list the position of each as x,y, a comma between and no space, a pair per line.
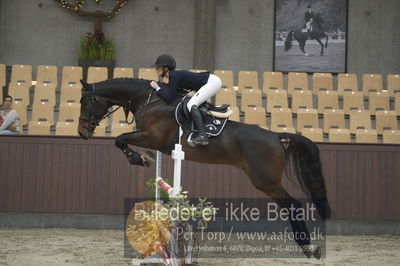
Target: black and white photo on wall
310,36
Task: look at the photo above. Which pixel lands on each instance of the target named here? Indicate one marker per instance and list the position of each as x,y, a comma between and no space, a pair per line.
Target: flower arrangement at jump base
161,229
96,47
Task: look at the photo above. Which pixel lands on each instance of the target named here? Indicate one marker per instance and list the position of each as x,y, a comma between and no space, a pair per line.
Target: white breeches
211,88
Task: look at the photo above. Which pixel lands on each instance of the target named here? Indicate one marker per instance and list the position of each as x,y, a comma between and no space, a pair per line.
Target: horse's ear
84,85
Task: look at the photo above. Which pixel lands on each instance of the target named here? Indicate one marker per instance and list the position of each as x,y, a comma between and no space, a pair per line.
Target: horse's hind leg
299,228
302,45
268,180
322,45
134,138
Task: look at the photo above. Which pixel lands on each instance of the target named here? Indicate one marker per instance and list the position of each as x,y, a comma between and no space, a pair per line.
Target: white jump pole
177,155
158,175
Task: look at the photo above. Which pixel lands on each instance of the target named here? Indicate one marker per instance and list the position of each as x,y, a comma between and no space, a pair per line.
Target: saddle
214,117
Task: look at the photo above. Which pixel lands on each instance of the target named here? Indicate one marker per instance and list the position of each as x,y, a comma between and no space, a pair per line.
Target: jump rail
178,155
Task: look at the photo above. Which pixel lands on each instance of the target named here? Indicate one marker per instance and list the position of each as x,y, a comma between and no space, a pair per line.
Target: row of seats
320,82
281,120
304,99
69,128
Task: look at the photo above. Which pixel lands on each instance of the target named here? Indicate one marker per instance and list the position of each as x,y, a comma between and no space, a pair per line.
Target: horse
258,152
317,33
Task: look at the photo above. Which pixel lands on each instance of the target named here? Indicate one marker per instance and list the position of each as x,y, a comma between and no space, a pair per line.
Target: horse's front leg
138,138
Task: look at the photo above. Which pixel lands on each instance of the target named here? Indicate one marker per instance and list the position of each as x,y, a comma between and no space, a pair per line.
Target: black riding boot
199,137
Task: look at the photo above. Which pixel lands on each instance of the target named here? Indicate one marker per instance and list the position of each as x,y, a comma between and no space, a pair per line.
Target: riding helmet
165,61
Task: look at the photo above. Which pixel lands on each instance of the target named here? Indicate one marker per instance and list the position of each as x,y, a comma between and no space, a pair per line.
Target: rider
205,84
309,17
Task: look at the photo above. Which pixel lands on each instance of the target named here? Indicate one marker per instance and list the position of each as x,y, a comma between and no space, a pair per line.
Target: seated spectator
9,121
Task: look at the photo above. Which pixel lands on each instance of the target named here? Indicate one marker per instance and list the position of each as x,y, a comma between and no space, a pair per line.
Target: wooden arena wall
69,175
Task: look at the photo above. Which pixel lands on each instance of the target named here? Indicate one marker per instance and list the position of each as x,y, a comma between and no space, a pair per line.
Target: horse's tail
288,41
307,166
326,40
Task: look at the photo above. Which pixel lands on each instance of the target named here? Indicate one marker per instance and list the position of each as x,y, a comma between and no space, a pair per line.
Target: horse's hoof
306,54
148,157
312,250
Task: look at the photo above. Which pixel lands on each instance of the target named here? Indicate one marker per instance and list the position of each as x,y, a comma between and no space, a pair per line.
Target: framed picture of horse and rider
310,36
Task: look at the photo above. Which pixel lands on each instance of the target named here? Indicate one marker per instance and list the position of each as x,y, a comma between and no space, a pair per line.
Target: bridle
93,122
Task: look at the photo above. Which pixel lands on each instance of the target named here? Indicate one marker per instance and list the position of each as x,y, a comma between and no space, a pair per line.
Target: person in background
309,17
9,118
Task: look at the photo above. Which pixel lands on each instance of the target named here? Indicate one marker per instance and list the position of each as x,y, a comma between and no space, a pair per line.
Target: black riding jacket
308,15
182,79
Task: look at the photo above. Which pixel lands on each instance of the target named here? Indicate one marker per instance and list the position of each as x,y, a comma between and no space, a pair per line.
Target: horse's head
93,109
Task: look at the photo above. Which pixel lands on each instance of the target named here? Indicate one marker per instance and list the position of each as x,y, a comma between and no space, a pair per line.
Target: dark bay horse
317,33
258,152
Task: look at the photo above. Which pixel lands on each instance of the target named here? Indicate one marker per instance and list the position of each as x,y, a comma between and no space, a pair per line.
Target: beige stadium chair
277,99
19,91
67,128
397,103
347,83
393,84
272,81
43,91
69,111
119,115
385,120
353,101
314,134
235,116
97,74
226,96
123,72
39,128
327,100
322,82
391,137
281,120
43,110
100,131
148,73
379,101
71,76
307,118
339,135
248,80
21,74
250,98
371,83
2,80
333,119
360,119
226,77
297,82
20,106
47,75
366,136
71,95
255,116
120,128
302,100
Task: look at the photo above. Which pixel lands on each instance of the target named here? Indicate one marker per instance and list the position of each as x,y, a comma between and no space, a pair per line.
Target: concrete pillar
204,34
